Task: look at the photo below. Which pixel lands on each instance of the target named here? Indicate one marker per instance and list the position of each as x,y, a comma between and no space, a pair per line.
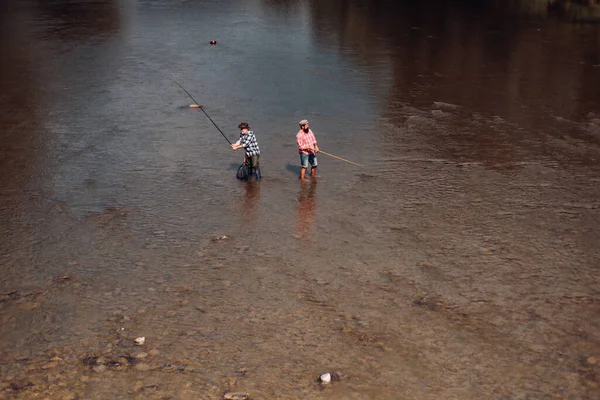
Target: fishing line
340,158
199,106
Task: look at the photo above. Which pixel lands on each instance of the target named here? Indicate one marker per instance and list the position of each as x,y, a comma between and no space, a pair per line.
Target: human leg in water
255,167
312,159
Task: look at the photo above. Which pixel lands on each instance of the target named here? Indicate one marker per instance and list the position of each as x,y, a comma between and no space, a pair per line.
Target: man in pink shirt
308,149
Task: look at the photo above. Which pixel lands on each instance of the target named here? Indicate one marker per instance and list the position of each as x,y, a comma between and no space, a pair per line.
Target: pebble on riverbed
62,279
99,368
236,396
327,378
140,341
142,367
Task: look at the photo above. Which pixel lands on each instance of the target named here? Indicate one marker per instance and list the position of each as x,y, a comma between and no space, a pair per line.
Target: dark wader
254,166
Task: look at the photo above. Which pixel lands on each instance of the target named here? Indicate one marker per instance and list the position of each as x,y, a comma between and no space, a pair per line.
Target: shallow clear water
459,262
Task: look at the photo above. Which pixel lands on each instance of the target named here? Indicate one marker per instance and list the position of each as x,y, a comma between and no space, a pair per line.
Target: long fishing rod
340,158
200,107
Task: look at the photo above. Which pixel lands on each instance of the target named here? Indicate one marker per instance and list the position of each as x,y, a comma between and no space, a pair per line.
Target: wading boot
257,173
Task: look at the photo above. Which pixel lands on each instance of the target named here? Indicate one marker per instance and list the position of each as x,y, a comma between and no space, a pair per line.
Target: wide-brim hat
243,125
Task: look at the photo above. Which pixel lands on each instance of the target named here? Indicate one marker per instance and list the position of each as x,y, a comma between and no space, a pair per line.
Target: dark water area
460,262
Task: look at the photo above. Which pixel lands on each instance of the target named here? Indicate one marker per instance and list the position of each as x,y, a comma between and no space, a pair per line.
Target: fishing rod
340,158
200,107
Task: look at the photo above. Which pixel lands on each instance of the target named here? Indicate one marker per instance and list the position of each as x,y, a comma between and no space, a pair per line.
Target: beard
305,130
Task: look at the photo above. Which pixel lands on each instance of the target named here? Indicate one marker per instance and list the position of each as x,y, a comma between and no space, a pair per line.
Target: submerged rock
90,360
99,368
236,396
142,367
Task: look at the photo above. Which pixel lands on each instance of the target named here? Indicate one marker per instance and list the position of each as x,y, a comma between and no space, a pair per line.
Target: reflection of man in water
251,201
307,207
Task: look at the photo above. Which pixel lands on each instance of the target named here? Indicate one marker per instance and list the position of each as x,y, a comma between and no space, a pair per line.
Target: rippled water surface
460,262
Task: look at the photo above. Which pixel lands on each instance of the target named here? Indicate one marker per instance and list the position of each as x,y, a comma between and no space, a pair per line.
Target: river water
460,262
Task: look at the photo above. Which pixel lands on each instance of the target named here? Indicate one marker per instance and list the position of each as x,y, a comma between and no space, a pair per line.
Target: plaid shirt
249,143
306,142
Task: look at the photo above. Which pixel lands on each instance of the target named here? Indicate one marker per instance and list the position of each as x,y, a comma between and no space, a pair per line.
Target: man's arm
237,145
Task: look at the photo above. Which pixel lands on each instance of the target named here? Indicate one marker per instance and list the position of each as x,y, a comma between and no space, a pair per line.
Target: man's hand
316,149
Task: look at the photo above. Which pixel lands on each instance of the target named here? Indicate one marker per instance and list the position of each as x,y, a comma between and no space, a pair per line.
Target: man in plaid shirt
248,142
308,149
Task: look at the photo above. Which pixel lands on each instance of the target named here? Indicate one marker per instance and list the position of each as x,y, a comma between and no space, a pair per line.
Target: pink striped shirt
306,142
